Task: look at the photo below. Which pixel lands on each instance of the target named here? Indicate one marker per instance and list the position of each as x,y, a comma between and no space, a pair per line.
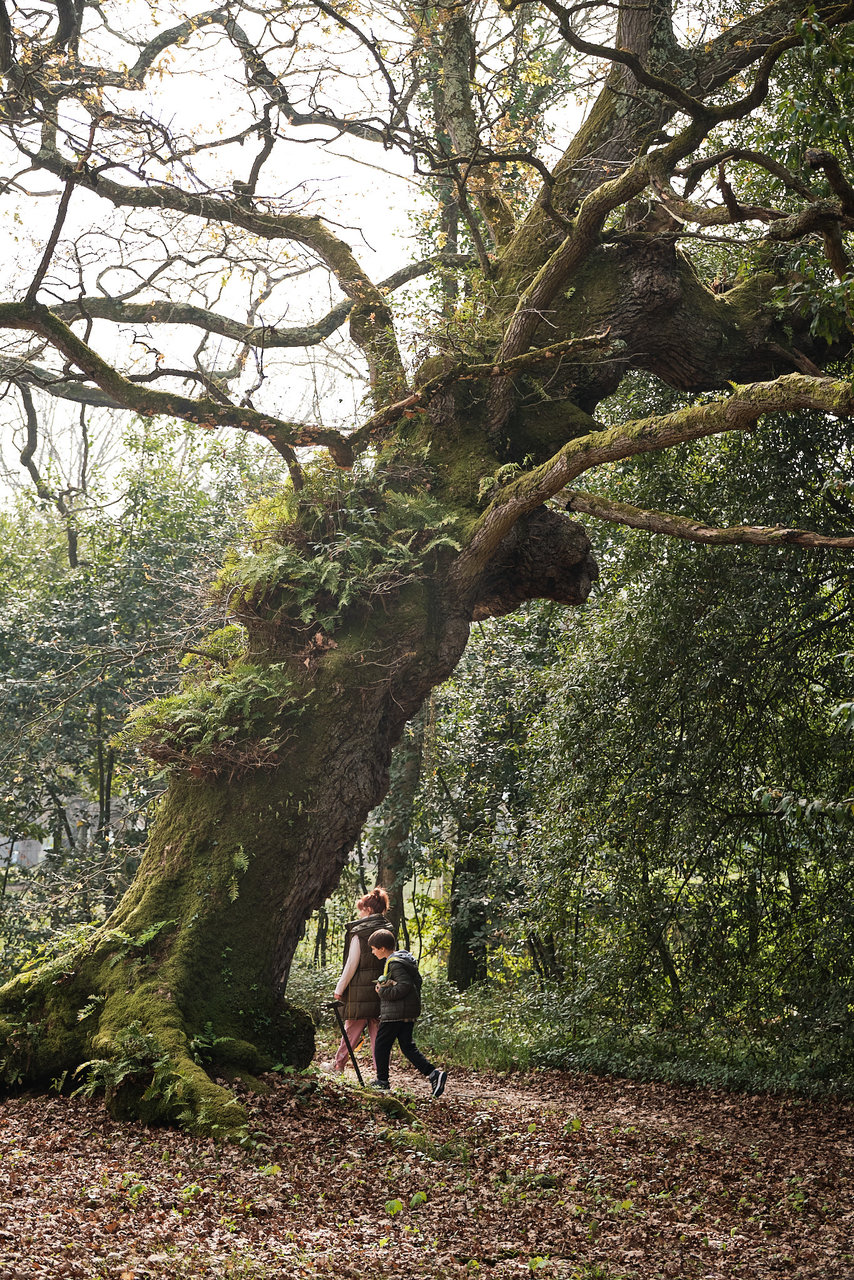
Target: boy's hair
376,901
382,938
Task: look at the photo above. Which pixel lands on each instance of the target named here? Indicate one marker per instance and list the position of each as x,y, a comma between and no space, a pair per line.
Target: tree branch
147,402
681,527
832,170
370,320
739,412
44,491
549,357
692,173
573,251
268,337
7,46
458,117
59,221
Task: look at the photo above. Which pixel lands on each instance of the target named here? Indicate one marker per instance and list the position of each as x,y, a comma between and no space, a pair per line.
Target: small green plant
93,1005
138,1060
204,1044
133,1189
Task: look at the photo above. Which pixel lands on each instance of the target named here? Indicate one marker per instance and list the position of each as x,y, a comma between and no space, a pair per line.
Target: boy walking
399,990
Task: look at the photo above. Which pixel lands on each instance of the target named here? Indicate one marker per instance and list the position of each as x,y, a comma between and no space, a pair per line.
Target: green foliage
217,722
137,1060
81,644
647,805
805,109
344,540
311,989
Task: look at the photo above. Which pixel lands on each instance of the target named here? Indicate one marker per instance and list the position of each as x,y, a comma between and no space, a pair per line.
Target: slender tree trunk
392,835
467,954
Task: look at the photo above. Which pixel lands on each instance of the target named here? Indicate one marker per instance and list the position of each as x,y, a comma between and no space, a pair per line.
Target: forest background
619,837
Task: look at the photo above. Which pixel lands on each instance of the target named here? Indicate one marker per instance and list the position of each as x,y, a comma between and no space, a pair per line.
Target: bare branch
370,321
147,402
43,489
62,387
268,337
61,213
681,527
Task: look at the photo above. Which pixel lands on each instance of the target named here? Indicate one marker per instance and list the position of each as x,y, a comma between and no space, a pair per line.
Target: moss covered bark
184,984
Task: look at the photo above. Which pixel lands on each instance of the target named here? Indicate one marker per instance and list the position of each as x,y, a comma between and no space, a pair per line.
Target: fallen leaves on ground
548,1174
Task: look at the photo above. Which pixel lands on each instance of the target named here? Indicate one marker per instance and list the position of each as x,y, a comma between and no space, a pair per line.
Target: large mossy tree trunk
282,746
185,981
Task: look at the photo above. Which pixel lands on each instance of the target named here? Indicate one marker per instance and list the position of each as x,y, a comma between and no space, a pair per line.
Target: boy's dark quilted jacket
400,999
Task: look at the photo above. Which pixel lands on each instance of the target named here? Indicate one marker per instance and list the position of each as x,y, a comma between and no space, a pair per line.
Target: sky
365,193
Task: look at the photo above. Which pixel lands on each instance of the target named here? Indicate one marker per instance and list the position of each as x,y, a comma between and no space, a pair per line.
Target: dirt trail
550,1174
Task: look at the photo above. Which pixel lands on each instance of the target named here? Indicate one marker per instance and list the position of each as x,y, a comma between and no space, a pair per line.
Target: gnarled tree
571,250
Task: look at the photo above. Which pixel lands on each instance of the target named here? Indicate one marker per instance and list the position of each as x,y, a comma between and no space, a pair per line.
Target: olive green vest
360,999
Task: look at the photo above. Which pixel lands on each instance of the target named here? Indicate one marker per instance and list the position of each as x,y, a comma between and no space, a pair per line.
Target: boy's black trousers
402,1032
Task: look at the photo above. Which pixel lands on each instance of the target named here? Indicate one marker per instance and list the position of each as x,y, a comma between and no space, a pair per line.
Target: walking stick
336,1005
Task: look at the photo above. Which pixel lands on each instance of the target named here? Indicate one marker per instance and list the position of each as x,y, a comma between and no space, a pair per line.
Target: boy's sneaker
384,1085
437,1079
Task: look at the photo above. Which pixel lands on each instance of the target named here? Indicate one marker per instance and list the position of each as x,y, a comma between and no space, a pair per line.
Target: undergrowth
503,1028
507,1028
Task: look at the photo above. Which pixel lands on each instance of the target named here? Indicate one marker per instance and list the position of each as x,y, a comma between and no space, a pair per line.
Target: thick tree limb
7,48
753,39
542,358
692,173
573,251
612,136
26,373
628,57
681,527
207,412
832,170
739,412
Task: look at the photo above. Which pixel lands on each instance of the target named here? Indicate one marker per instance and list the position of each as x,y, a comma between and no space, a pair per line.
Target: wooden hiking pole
336,1005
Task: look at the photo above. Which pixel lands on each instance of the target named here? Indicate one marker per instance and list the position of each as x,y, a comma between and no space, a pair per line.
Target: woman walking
355,987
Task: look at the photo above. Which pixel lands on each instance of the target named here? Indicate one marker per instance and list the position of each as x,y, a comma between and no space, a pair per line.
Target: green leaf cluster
235,718
341,542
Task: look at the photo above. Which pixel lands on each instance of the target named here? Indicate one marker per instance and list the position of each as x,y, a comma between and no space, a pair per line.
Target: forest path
551,1174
